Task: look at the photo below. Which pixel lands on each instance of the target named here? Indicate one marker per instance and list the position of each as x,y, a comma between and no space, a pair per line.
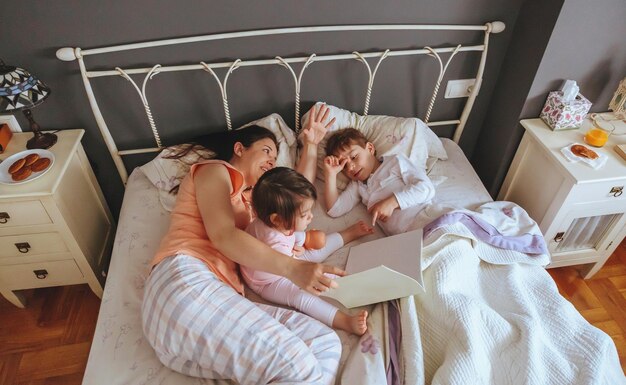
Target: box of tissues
561,114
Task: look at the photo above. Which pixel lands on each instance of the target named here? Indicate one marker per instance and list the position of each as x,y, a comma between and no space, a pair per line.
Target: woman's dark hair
222,143
281,191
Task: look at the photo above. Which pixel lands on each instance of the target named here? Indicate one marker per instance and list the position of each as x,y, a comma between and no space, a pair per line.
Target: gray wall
188,104
545,42
553,41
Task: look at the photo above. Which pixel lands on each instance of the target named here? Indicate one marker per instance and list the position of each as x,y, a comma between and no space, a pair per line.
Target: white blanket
482,323
479,322
121,355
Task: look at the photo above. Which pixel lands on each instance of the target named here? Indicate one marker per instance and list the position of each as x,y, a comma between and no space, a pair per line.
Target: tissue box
562,115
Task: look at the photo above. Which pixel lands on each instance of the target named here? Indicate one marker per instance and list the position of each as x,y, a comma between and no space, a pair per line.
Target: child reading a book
392,188
283,200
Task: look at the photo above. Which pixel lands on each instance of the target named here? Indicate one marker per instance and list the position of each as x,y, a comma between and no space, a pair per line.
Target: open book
381,270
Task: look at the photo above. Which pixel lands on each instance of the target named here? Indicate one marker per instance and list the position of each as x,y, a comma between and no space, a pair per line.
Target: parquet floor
601,299
48,342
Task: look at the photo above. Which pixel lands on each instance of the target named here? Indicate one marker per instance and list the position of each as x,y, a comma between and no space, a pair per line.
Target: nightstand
580,211
57,229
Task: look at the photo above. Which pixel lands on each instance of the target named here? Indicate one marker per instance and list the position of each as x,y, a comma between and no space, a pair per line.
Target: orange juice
596,137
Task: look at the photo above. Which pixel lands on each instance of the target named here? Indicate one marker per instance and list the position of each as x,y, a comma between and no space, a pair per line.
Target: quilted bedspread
479,322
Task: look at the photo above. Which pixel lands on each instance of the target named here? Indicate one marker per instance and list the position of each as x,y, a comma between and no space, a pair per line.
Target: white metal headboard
70,54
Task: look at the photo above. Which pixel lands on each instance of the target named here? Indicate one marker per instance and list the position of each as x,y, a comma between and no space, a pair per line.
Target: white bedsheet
119,353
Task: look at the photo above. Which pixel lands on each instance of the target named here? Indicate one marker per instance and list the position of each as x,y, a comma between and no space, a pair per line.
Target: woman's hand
311,276
316,126
311,136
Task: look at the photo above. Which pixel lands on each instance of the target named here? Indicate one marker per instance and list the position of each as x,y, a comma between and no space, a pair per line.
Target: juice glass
597,136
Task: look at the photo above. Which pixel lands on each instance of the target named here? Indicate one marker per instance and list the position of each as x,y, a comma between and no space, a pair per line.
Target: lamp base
43,141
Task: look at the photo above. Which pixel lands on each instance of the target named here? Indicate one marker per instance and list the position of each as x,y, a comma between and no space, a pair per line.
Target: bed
488,315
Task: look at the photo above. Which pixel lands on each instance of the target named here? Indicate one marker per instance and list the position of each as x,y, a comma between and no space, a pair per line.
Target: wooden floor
601,299
48,342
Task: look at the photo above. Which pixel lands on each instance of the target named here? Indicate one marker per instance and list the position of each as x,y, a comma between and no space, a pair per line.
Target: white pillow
390,135
166,174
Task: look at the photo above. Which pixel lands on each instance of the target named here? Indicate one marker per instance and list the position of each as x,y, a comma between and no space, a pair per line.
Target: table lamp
19,90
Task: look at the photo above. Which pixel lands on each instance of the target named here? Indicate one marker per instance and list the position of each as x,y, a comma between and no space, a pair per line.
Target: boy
392,188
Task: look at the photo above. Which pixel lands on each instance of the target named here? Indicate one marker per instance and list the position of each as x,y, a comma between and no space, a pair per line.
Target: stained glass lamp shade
19,90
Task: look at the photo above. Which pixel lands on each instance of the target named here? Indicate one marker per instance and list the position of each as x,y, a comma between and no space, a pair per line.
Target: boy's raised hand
333,165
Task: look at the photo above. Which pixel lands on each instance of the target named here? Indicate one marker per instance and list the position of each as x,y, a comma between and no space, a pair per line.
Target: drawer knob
41,274
4,217
617,191
23,247
559,237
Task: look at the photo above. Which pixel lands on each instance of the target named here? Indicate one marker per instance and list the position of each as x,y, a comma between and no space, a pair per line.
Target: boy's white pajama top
398,176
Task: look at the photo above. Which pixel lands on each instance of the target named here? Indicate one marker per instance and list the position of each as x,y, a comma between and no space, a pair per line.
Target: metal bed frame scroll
71,54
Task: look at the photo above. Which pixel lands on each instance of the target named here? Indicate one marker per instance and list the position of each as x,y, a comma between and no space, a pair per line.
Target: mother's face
256,159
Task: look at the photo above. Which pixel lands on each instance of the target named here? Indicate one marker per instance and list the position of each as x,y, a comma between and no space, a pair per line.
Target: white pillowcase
390,135
166,174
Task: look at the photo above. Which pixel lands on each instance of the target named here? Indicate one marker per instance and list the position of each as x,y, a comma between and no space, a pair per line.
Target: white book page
381,270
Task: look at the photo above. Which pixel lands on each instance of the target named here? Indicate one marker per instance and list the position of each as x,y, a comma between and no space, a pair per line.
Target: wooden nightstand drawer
614,191
43,274
24,213
58,225
31,244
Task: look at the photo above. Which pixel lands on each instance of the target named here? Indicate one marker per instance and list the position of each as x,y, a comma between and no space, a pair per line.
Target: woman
193,312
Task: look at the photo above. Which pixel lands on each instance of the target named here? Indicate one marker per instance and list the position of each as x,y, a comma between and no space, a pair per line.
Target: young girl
283,200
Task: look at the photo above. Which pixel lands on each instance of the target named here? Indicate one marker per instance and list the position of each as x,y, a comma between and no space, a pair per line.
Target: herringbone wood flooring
48,342
601,299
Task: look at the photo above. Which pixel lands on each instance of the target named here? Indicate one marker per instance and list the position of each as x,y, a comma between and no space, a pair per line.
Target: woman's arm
312,135
213,188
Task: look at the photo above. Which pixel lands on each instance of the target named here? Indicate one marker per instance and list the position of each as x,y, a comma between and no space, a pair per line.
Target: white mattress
119,353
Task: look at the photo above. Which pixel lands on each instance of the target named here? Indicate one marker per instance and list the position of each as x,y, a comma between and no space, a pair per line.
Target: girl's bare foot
356,324
356,231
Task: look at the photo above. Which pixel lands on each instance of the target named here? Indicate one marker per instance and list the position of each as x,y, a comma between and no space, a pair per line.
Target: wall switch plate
10,120
459,88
